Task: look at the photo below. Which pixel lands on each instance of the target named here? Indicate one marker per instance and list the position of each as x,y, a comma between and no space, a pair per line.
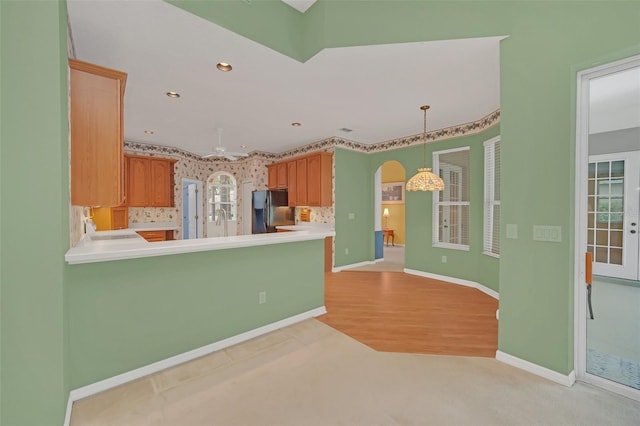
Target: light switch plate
352,215
512,231
547,233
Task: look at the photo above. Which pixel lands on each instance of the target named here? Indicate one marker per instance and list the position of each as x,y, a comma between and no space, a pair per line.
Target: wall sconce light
385,213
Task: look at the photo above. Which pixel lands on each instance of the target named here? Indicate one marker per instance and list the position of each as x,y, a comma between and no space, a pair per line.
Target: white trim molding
457,281
129,376
355,265
554,376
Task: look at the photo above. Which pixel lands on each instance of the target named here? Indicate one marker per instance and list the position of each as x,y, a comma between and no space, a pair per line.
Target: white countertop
122,244
308,226
154,226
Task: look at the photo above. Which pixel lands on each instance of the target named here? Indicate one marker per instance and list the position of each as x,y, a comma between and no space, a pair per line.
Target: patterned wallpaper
190,166
254,168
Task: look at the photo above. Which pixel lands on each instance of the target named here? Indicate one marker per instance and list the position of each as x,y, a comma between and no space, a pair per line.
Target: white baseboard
138,373
530,367
354,265
453,280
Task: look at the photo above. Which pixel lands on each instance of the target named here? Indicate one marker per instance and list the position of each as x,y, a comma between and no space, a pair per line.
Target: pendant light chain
425,180
424,137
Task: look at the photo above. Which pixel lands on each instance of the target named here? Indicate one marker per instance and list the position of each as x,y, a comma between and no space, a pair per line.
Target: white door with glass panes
612,214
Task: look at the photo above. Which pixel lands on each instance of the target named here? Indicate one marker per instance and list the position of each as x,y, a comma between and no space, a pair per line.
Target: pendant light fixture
424,180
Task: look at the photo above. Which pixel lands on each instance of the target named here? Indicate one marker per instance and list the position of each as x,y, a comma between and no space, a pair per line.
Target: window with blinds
451,205
491,232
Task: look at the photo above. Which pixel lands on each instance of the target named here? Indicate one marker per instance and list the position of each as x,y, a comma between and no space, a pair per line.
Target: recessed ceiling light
296,124
173,94
243,146
223,66
149,132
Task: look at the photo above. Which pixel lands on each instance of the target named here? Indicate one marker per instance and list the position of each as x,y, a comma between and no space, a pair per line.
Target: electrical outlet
352,216
346,251
262,297
444,259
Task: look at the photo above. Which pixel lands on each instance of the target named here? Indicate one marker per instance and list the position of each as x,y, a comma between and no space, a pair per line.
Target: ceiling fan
221,151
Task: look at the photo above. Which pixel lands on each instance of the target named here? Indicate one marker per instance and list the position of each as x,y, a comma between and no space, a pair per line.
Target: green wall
159,307
34,215
548,43
419,254
354,220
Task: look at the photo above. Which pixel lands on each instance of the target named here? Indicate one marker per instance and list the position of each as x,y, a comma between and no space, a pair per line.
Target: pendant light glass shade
424,180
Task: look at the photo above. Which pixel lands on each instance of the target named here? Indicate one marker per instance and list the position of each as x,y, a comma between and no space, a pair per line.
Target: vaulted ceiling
374,91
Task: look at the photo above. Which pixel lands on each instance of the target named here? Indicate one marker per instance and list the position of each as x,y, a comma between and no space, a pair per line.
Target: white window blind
451,205
491,244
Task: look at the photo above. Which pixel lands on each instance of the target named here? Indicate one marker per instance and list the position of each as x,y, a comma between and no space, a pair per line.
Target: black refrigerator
270,209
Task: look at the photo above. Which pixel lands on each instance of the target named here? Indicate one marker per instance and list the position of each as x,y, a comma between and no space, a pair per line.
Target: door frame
247,188
580,229
199,206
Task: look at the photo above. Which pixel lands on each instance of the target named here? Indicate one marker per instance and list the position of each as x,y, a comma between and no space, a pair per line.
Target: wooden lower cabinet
109,218
156,236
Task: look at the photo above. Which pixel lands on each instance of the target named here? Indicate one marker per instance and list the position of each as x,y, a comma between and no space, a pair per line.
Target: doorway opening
192,218
607,208
389,216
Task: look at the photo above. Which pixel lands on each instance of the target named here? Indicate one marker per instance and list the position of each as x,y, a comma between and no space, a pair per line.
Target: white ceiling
300,5
374,90
614,101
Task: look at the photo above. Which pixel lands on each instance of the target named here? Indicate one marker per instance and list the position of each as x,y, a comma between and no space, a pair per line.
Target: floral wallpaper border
330,143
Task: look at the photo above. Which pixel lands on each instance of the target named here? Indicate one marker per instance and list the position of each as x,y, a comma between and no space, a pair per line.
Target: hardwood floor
398,312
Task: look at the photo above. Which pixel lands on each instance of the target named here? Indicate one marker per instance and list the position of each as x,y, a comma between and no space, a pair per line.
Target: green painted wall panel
355,172
127,314
353,195
34,214
269,22
548,42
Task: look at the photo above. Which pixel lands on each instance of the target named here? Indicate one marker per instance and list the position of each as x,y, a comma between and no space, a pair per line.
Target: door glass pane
612,346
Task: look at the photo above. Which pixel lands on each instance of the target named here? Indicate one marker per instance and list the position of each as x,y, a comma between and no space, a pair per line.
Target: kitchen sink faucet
224,213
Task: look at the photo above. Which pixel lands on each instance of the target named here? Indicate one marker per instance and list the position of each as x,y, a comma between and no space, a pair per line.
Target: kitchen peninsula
102,246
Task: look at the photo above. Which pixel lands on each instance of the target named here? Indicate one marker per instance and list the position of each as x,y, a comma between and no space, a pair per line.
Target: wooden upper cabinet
283,171
292,179
301,178
161,188
272,181
150,181
320,179
278,176
97,136
138,179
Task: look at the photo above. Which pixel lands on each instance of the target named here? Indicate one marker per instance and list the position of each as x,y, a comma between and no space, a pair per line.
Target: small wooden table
388,233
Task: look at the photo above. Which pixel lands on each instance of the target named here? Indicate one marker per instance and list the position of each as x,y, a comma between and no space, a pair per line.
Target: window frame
233,205
436,204
490,202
